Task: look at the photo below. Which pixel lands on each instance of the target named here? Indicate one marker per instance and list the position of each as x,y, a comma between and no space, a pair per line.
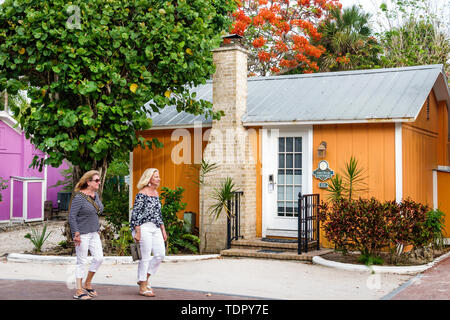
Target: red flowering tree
278,33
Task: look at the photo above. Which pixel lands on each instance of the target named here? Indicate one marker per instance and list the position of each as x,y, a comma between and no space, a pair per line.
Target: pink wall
16,154
35,200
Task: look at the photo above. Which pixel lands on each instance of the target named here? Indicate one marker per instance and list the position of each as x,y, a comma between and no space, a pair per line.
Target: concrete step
273,254
258,244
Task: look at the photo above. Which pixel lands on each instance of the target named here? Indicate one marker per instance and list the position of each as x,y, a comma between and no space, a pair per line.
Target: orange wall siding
420,149
172,175
442,152
255,140
443,198
373,145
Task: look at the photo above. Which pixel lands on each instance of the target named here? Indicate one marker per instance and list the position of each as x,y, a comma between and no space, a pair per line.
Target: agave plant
222,196
37,238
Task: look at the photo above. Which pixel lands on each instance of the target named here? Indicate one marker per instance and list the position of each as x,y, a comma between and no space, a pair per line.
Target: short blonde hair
83,183
145,178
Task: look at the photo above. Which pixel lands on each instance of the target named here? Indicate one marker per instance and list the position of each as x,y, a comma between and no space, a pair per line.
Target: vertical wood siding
420,152
172,175
372,144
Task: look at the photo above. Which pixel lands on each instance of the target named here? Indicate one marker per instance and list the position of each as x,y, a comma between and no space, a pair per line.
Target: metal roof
395,94
170,117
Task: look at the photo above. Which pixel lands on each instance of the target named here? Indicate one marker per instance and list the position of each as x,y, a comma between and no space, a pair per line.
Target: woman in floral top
148,229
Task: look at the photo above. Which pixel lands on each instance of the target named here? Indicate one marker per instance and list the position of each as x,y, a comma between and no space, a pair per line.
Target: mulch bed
352,258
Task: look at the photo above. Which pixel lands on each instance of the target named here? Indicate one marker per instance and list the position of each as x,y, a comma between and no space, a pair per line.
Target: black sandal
80,296
91,292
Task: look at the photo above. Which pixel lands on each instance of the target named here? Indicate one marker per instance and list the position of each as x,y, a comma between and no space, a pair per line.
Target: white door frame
269,154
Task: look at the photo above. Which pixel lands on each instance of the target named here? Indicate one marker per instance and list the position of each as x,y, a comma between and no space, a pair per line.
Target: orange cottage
277,130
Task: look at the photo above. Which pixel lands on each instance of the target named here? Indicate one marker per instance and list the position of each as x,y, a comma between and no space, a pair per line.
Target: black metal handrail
308,221
234,218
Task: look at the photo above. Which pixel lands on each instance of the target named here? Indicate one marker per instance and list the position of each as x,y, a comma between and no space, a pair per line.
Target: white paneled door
286,172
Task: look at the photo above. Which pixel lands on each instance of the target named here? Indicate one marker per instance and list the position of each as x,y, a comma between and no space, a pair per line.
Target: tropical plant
368,225
38,238
222,196
122,243
178,239
351,183
3,186
348,41
116,193
89,67
198,175
279,33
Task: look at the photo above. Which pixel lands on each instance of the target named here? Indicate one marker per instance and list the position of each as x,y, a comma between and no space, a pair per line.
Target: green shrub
369,260
370,225
178,239
116,202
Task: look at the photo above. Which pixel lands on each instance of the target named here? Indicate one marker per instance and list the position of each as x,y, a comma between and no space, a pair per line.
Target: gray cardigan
83,217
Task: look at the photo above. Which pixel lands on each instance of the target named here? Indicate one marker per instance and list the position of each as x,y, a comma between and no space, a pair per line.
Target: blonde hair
83,183
145,178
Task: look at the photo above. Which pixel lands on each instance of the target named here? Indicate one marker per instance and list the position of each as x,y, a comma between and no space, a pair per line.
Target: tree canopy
90,66
279,33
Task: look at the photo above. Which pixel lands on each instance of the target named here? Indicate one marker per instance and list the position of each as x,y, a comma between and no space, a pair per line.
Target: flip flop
82,296
148,293
148,286
91,292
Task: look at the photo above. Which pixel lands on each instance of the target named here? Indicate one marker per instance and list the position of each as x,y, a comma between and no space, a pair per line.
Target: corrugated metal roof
378,94
170,117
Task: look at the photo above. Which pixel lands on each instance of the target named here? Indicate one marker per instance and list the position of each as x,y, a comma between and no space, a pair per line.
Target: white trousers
151,242
89,242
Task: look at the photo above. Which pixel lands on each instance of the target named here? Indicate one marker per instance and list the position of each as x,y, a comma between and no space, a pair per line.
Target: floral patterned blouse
146,209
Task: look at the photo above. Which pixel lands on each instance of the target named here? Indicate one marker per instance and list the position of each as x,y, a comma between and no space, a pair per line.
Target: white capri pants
89,242
151,242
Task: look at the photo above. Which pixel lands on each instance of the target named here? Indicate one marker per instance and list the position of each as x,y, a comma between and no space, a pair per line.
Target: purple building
28,188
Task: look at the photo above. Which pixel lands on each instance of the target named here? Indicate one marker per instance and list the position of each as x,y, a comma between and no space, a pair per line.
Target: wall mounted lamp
322,149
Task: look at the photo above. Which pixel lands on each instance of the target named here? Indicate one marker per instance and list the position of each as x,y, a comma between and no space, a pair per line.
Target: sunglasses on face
96,180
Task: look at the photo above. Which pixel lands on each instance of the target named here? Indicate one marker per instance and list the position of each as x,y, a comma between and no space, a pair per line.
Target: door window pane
298,160
289,193
298,144
289,145
280,192
289,160
281,161
280,177
281,144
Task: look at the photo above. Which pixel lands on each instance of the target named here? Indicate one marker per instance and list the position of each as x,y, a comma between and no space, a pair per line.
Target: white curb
30,258
378,269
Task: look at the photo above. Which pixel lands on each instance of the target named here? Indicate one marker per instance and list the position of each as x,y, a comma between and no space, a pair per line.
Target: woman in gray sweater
84,225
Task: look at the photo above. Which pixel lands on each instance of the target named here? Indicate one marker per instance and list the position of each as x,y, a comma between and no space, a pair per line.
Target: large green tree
90,66
348,39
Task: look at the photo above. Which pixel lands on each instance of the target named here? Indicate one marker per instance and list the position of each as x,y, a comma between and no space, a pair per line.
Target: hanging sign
323,172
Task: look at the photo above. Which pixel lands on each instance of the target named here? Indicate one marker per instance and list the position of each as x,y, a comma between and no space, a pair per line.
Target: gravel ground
13,241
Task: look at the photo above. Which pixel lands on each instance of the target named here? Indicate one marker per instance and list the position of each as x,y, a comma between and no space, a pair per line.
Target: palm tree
347,38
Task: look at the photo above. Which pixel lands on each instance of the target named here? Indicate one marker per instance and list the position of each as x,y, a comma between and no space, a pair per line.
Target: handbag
135,249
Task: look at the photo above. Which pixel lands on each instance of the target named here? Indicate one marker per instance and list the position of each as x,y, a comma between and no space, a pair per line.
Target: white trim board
398,163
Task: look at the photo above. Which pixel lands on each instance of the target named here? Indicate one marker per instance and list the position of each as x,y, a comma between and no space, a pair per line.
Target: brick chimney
229,147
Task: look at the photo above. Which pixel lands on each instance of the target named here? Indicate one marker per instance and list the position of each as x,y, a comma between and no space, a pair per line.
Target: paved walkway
433,284
56,290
